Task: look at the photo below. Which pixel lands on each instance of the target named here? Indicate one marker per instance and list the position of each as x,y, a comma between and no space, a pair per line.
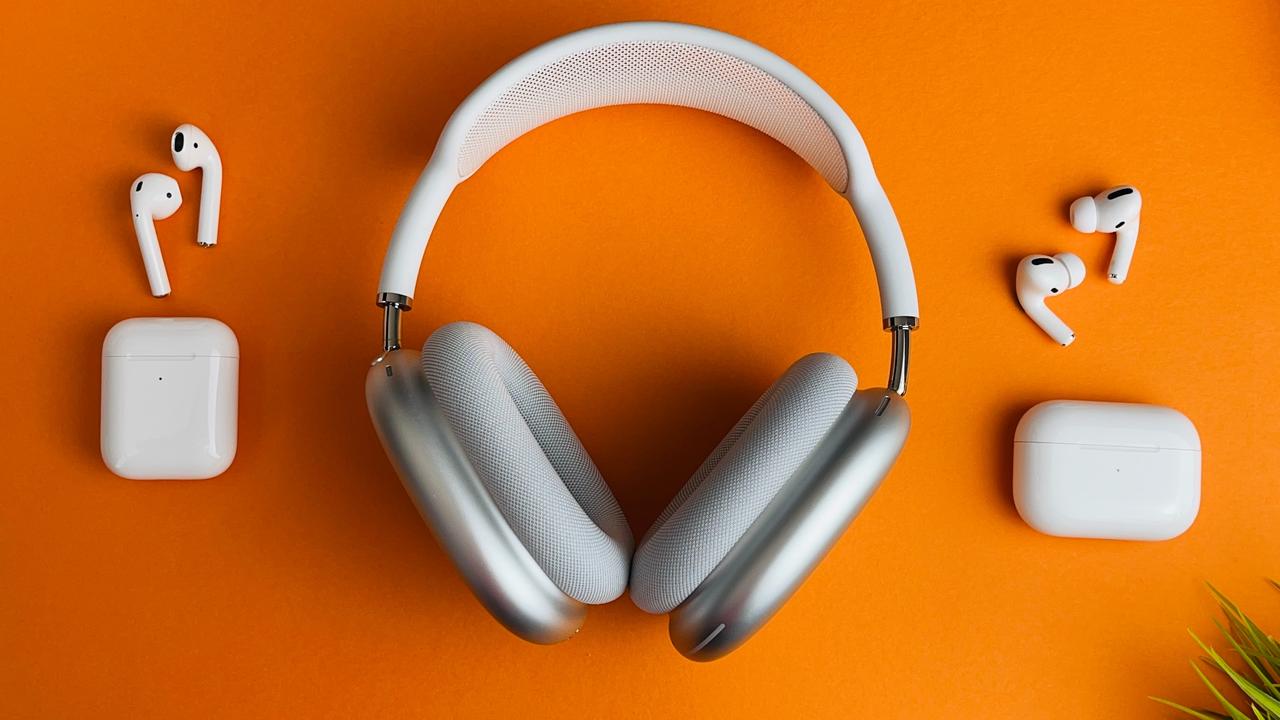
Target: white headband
657,63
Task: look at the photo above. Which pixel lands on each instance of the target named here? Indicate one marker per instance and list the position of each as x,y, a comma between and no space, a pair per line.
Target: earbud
1039,277
193,149
1115,210
153,197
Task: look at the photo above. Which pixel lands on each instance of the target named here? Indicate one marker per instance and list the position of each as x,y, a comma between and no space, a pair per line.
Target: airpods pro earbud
1115,210
1040,276
193,149
153,197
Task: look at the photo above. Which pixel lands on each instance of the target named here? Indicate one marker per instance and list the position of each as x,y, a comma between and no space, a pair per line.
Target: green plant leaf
1232,711
1256,694
1259,652
1199,714
1261,646
1247,656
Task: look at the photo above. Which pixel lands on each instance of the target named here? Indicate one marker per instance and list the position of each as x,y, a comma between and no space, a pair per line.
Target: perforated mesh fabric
739,479
530,461
667,73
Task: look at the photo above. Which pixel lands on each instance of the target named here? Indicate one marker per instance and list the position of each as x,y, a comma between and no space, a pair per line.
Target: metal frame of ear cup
762,571
458,508
796,529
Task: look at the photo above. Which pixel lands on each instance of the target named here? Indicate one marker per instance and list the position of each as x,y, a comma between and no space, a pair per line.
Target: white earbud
1040,276
153,197
1115,210
193,149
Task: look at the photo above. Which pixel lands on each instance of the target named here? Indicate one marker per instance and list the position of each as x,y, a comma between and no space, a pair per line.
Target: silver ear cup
455,504
738,480
530,461
796,530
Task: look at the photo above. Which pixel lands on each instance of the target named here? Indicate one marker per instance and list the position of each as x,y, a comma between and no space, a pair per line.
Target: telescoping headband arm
657,63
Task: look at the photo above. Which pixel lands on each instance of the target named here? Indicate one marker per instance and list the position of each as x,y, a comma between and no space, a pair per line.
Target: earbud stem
1122,254
149,244
210,205
1048,321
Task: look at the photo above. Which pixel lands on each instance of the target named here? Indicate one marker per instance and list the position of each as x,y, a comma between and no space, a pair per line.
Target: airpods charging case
1106,470
169,397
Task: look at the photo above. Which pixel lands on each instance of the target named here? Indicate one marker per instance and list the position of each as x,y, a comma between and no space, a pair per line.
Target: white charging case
1106,470
169,396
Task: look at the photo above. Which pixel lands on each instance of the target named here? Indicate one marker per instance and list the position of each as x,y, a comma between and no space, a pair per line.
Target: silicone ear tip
1084,215
1075,268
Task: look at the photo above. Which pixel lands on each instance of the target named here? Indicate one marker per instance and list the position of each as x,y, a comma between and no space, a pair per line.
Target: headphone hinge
392,305
900,357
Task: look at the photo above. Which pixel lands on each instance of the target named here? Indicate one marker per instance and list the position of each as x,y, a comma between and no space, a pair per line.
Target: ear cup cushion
530,461
733,486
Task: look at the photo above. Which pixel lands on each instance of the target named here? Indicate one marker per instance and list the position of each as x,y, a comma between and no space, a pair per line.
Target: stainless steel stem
392,306
900,359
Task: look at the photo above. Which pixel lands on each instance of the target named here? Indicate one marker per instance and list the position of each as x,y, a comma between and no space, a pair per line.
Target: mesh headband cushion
530,461
738,480
667,73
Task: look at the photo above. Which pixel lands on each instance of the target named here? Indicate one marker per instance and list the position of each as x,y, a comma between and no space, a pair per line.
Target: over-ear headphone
492,464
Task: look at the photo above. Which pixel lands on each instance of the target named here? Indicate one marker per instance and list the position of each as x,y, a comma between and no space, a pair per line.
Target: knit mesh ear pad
530,461
732,487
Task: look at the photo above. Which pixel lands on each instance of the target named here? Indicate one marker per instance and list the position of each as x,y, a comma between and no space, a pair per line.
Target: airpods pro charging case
169,397
1106,470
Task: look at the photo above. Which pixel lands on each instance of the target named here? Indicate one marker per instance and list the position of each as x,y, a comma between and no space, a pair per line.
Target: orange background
658,268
